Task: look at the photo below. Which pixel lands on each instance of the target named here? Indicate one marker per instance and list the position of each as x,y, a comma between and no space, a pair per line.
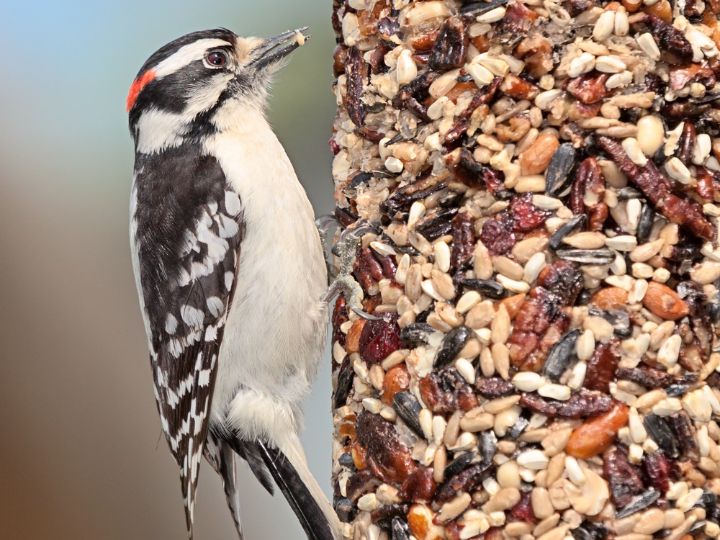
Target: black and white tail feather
213,192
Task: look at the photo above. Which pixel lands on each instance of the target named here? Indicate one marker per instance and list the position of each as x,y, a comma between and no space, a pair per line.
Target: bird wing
187,229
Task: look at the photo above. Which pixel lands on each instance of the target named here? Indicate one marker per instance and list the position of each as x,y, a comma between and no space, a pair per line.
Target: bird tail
263,430
287,465
222,458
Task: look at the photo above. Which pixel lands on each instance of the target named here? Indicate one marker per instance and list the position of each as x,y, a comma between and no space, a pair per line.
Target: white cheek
158,130
204,96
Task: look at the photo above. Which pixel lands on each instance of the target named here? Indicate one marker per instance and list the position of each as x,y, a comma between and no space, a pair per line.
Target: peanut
396,380
610,298
596,434
662,301
536,158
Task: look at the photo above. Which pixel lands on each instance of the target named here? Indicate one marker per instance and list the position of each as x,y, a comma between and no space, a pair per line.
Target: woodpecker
229,267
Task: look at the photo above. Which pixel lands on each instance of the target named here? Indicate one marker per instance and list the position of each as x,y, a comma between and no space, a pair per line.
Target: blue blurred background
81,455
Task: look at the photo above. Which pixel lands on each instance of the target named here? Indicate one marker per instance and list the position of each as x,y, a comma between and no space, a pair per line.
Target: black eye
216,59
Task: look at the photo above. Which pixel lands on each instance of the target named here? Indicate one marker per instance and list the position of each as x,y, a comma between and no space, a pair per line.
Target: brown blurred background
83,457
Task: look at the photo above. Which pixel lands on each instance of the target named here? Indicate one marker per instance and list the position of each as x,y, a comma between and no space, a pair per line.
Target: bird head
180,91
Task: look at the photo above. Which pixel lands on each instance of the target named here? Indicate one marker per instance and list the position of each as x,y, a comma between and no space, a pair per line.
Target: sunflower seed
561,355
533,459
558,236
587,256
557,176
647,43
585,240
604,26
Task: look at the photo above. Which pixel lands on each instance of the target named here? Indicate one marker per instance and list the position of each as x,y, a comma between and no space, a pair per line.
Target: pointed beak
272,50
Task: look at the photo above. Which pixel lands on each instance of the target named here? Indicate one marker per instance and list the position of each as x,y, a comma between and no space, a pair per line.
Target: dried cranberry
657,471
493,387
563,280
497,234
624,479
523,511
379,339
518,19
526,216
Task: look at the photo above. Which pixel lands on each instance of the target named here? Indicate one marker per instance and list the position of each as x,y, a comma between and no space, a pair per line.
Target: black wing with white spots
187,233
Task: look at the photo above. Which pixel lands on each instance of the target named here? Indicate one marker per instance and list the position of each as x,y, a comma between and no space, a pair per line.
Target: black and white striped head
179,92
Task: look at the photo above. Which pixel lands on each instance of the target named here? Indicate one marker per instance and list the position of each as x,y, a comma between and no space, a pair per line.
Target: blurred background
81,456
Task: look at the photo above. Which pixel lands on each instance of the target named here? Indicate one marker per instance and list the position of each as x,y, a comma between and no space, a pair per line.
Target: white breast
274,334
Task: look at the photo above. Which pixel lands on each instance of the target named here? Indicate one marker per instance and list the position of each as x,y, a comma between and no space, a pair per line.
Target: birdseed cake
535,186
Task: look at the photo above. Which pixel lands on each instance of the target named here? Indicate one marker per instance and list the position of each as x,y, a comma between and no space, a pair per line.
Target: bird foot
344,283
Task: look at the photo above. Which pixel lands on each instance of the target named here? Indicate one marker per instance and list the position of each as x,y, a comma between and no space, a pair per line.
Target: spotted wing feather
187,231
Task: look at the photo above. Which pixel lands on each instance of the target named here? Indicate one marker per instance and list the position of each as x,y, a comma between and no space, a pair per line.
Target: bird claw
344,283
365,315
350,238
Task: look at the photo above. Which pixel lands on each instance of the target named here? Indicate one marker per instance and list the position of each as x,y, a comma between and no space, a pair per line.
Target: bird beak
272,50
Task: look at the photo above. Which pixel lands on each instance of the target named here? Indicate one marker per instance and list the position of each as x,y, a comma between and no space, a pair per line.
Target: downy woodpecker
229,267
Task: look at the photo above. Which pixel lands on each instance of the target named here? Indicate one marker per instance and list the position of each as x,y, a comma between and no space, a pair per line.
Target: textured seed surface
538,187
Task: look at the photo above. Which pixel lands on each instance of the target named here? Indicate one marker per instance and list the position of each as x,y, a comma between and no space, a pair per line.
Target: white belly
275,332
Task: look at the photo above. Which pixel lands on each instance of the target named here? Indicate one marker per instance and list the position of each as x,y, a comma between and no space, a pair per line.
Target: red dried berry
657,471
387,263
497,234
563,280
646,376
493,387
526,216
523,511
379,339
624,479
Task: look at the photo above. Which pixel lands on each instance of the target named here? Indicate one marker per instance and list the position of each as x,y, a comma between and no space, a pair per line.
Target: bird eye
216,59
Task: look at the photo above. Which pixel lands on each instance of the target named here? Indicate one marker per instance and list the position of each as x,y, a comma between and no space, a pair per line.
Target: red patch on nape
137,86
